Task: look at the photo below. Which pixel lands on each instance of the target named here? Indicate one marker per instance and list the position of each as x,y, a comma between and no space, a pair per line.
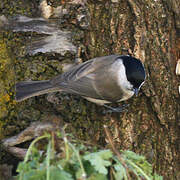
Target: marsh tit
100,80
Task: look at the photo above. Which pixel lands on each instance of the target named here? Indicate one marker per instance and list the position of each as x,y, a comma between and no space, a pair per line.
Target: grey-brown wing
88,79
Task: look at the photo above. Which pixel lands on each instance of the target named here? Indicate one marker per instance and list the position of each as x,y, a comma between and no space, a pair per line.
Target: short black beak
136,90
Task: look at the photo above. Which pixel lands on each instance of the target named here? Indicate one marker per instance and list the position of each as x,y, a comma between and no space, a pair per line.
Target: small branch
32,144
108,135
49,149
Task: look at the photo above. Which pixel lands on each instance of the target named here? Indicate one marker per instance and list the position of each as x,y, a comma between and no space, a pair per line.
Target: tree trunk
149,31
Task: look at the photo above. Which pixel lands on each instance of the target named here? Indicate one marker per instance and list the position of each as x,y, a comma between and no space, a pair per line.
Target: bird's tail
27,89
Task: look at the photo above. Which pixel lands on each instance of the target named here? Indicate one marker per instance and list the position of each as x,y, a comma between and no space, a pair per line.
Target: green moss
6,82
8,7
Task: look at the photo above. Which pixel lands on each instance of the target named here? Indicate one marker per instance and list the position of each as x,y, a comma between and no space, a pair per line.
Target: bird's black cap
135,71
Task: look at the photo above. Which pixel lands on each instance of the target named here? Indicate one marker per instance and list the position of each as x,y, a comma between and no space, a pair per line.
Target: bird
101,80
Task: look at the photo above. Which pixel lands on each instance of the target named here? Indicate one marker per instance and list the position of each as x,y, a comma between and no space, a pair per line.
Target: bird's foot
116,109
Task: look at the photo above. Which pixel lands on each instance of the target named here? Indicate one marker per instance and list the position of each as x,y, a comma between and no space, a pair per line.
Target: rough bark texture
147,29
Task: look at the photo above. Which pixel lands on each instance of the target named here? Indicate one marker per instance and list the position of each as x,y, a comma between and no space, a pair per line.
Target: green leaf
100,160
140,161
56,173
89,169
132,155
21,166
97,176
79,173
120,171
34,175
157,177
94,165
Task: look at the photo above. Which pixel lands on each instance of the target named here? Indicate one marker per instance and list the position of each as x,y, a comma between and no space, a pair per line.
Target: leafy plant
76,162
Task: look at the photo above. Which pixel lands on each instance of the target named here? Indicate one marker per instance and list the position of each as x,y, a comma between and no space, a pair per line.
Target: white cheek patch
122,81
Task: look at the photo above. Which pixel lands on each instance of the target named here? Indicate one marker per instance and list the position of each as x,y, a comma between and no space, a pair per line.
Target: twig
115,150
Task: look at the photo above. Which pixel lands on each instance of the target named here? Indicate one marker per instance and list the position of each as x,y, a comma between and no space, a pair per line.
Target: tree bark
149,30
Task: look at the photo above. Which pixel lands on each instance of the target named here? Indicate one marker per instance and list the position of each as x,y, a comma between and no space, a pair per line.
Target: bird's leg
116,109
